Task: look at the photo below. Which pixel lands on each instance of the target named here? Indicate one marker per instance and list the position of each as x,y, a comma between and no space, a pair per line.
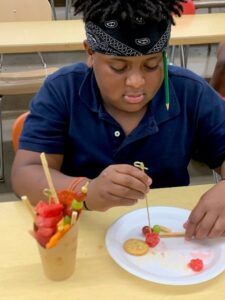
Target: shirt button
117,133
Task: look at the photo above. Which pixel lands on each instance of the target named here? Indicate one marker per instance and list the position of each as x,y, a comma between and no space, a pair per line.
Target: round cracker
135,247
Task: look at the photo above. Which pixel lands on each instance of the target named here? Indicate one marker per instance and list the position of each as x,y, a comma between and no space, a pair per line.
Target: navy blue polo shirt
67,117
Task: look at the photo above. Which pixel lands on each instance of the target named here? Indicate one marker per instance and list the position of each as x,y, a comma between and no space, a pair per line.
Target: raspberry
196,264
152,239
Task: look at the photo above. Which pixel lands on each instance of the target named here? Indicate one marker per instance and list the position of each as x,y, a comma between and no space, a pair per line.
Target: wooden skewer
172,234
48,177
140,165
28,205
74,217
164,228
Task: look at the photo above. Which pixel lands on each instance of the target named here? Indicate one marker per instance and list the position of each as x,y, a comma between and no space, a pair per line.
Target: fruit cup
56,225
59,261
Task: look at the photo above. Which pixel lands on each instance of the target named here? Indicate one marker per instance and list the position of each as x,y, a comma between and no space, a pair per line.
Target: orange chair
188,8
17,129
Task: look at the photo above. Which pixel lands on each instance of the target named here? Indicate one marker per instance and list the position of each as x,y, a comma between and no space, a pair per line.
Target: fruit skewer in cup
56,224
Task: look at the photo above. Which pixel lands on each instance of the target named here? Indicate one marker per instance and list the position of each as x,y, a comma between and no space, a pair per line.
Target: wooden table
19,37
96,276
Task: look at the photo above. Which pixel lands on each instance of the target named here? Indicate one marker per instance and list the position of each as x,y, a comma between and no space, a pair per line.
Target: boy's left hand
207,219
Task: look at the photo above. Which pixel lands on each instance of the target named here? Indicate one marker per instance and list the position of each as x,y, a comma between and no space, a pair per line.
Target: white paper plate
167,262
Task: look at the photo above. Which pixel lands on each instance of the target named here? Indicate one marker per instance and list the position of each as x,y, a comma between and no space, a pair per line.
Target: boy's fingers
135,172
193,222
205,226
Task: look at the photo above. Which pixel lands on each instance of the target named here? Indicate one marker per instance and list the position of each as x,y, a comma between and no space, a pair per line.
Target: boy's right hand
117,185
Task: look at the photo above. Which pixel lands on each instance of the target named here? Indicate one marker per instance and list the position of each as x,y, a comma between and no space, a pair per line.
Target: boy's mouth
134,98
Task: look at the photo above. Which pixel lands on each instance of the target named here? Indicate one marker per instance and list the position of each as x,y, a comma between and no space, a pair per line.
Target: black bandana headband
120,38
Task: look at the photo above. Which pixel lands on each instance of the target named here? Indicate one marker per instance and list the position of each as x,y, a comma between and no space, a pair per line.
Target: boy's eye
151,68
118,68
122,68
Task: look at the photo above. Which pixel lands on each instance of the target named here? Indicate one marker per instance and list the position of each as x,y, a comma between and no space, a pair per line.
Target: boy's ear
89,53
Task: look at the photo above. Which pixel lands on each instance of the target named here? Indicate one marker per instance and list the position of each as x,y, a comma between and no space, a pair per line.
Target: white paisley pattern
101,41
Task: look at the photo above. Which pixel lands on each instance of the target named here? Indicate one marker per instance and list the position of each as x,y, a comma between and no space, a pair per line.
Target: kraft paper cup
59,262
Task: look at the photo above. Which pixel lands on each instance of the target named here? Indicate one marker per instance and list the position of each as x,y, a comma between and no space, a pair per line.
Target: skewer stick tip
74,217
28,205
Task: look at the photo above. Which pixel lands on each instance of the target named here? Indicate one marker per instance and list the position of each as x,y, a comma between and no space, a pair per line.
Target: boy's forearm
31,181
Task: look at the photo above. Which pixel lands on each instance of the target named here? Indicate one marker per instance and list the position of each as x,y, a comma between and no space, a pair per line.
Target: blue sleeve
45,127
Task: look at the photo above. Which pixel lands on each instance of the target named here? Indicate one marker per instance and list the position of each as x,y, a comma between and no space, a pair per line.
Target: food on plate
146,229
156,229
152,239
163,231
164,228
135,247
196,264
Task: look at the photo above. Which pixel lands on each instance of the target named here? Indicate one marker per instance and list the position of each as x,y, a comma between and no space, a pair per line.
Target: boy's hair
99,10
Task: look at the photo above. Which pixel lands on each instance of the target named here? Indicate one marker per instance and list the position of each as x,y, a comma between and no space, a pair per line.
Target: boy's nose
135,80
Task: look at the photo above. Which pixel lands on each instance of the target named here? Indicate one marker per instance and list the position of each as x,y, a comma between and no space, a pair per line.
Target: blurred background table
68,35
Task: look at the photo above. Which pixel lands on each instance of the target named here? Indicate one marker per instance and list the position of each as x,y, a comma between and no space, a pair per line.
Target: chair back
23,82
188,8
17,129
21,11
25,10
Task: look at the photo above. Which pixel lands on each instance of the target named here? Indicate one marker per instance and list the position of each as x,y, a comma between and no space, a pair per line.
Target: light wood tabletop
96,276
68,35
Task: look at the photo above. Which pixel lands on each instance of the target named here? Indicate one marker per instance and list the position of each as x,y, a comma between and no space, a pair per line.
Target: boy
94,122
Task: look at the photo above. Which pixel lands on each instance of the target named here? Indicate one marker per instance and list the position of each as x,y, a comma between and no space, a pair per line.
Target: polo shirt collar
89,92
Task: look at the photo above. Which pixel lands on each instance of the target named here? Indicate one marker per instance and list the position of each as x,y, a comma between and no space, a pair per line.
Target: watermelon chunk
39,206
49,210
49,222
46,231
43,235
